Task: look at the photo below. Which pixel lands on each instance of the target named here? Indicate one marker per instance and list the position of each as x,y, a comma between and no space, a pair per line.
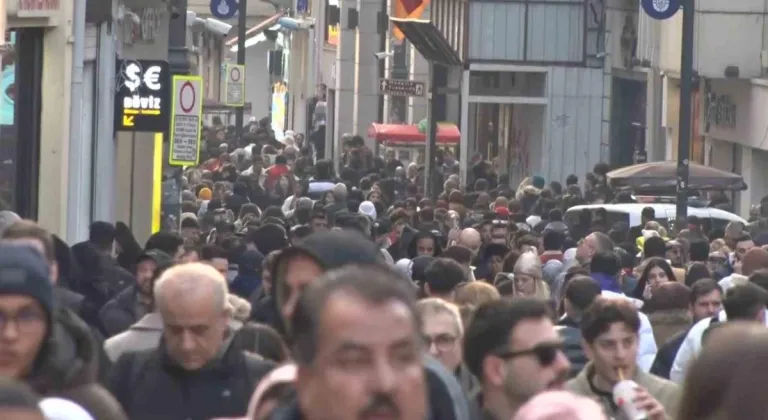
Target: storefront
734,127
34,151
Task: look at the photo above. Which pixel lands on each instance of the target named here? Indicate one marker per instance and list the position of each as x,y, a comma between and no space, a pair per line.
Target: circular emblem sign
187,97
234,74
661,9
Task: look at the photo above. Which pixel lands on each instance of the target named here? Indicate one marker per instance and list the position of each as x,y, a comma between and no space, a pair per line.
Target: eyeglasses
443,342
25,320
545,353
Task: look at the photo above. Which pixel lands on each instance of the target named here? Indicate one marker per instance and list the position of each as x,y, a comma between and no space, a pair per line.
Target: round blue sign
224,9
661,9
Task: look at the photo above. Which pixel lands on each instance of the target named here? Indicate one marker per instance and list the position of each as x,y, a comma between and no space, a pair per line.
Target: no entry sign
185,130
234,84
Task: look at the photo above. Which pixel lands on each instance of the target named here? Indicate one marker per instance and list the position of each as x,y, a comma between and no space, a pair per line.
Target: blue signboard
661,9
224,9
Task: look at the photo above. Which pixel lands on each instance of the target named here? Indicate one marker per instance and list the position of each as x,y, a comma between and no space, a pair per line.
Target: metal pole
683,142
430,150
76,225
241,28
177,39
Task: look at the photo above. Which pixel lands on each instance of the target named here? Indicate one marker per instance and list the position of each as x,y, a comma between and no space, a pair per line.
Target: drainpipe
76,184
104,168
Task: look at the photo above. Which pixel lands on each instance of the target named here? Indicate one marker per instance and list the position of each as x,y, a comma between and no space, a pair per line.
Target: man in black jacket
580,292
195,373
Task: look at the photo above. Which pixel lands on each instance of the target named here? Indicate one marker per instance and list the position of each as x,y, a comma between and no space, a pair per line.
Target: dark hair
582,291
703,287
649,265
555,215
458,253
167,242
102,235
699,251
697,271
281,160
443,275
262,340
14,394
648,213
744,301
603,313
492,325
571,180
508,266
654,247
374,284
605,262
553,240
744,238
669,296
209,252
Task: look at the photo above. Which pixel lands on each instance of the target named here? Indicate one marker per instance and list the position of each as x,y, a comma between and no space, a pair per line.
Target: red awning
446,133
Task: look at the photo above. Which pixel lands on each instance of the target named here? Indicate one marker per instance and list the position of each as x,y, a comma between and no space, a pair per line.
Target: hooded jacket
330,250
70,362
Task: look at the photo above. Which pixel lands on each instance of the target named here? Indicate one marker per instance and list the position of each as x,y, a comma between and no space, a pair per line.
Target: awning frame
261,27
428,41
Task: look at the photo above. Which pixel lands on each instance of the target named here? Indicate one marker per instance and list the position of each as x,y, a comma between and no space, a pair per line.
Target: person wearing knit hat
529,277
205,194
502,212
368,209
538,182
26,290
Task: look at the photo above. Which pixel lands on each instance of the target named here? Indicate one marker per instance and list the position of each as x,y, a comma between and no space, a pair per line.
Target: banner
408,9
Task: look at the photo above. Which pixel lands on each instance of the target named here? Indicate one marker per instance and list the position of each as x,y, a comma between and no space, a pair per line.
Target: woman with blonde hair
528,280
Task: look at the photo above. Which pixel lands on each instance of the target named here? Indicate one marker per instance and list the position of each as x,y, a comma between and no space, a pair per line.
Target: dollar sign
132,79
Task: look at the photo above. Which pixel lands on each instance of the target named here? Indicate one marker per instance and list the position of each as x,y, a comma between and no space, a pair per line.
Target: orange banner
408,9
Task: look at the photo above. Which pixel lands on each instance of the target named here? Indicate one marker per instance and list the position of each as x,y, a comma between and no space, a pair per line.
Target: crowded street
228,210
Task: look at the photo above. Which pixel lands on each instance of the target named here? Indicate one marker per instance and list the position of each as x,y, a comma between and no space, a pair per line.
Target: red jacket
274,173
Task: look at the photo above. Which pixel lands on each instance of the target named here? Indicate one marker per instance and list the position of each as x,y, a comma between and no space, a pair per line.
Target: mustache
378,402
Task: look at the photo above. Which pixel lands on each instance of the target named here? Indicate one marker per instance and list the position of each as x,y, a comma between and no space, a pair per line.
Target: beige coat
143,335
665,392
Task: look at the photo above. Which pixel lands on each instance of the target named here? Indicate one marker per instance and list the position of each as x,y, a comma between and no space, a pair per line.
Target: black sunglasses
545,353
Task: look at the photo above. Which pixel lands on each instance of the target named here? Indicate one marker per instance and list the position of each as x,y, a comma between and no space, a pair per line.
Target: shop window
21,64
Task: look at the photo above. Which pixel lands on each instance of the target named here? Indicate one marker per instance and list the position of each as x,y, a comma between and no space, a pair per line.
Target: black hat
159,257
23,271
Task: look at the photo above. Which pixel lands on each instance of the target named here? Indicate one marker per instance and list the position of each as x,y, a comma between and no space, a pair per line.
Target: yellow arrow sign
128,120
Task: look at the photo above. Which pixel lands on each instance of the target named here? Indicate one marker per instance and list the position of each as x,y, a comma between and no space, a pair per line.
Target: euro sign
131,76
152,78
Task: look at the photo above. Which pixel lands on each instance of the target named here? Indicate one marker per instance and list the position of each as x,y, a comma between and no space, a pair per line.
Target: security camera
218,27
382,55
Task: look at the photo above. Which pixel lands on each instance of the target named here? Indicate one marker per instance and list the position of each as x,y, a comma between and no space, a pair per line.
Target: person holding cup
609,329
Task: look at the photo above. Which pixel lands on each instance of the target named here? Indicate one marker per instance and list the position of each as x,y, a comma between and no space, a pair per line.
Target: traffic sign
142,96
234,84
401,87
661,9
186,116
224,9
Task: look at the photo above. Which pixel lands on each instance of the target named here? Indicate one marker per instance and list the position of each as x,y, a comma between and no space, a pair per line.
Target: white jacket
646,346
692,346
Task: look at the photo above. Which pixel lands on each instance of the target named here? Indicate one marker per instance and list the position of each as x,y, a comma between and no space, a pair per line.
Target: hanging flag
408,9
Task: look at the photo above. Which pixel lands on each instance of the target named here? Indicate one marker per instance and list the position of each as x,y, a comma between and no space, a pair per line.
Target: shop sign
721,110
38,8
187,114
141,100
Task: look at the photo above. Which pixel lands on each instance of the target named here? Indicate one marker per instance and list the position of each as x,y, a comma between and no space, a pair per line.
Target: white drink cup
624,393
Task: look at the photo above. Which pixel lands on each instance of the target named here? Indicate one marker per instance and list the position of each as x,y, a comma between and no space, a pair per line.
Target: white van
711,218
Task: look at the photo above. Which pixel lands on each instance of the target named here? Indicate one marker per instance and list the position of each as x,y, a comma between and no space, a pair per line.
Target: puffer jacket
70,365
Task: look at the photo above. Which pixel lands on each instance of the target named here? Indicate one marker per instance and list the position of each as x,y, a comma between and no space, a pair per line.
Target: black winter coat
150,386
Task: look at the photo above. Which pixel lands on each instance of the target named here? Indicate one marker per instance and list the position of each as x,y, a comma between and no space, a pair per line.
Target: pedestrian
195,373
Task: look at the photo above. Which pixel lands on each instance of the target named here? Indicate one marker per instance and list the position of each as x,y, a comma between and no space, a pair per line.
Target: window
20,121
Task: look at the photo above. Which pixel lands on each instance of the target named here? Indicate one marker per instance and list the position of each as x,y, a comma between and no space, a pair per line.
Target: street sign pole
686,89
431,149
241,22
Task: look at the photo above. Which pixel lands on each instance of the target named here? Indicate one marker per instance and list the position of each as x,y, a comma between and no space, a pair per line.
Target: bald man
217,378
470,238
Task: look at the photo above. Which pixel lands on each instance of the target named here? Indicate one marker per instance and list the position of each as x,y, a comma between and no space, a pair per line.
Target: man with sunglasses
512,348
610,338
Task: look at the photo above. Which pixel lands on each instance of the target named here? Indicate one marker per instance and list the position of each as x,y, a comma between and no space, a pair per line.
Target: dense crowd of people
288,291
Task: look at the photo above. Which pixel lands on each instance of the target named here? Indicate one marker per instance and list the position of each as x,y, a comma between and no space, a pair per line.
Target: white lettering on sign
141,102
39,5
151,77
